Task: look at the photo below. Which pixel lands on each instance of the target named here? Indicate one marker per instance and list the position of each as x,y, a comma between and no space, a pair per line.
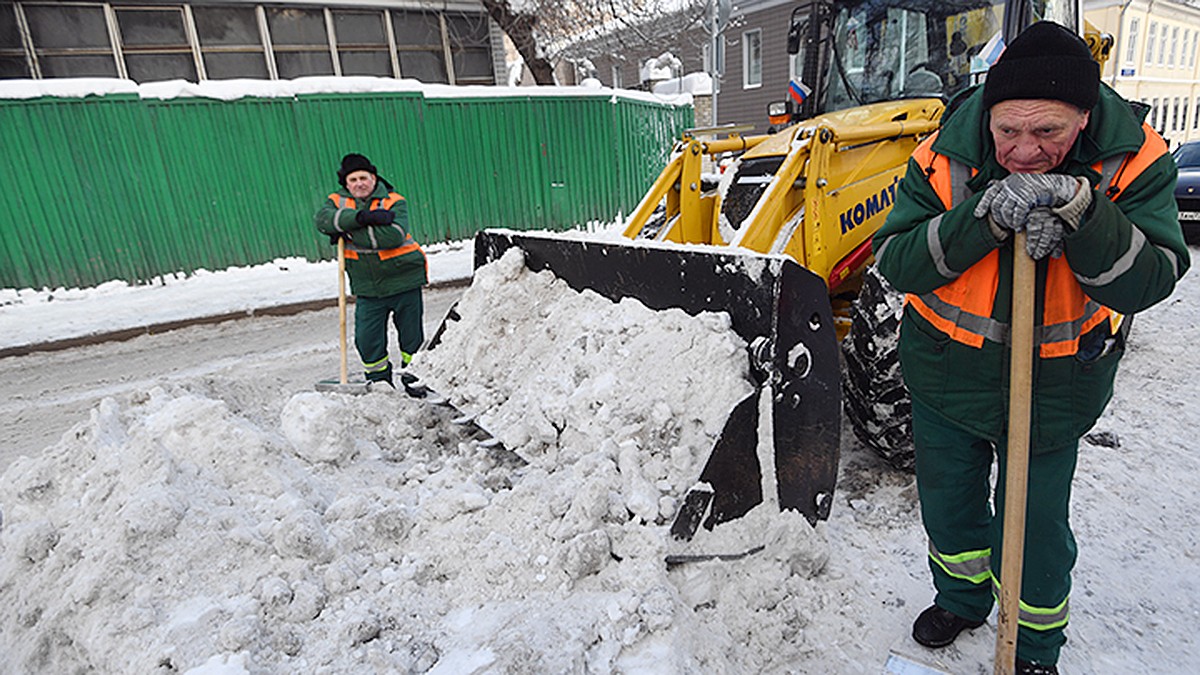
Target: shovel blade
339,387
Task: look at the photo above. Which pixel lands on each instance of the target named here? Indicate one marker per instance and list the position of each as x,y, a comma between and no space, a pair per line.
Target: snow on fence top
229,90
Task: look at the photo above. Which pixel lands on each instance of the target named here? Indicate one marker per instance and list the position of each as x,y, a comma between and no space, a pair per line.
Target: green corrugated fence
124,187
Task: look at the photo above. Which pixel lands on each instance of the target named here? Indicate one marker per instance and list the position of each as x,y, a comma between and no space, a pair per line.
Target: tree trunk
519,28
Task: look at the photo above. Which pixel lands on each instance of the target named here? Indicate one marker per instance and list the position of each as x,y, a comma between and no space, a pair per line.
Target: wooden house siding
735,103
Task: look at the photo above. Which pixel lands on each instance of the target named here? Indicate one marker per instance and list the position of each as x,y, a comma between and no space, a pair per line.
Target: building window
419,46
1151,41
618,82
300,40
1131,40
470,48
1196,115
1192,54
362,43
230,43
1174,46
159,41
1183,48
752,59
13,63
1162,46
1154,113
71,41
155,44
1175,115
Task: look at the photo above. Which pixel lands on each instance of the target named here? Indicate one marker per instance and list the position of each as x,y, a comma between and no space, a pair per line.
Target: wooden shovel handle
1019,393
345,375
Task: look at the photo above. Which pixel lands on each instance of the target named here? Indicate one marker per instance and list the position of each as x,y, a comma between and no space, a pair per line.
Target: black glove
376,217
333,238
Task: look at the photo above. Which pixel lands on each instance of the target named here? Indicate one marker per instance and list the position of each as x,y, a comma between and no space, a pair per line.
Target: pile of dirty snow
169,533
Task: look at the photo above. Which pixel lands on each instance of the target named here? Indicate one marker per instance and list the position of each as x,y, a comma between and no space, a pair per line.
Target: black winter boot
937,627
380,381
1027,668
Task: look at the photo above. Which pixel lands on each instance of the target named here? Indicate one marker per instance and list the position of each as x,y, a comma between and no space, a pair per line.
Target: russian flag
798,91
987,56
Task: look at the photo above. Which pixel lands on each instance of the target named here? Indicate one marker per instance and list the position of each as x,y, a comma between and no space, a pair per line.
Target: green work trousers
370,330
953,470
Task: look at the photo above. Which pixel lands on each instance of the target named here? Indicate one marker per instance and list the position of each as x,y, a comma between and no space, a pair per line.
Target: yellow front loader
775,229
814,192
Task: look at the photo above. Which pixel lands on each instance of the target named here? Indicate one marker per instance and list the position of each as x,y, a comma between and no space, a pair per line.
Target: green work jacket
1127,255
380,260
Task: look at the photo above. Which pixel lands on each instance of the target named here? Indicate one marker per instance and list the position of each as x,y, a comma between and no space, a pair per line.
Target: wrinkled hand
1044,231
1010,200
376,217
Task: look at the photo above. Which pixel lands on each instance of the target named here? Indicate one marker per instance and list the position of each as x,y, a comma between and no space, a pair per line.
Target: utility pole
718,19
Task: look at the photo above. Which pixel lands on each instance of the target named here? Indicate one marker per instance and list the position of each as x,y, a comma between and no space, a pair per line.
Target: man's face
360,184
1034,135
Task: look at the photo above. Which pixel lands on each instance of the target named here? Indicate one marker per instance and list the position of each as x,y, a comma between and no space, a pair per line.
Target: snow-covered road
44,394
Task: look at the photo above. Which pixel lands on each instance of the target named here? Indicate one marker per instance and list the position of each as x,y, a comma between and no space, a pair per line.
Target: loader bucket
783,313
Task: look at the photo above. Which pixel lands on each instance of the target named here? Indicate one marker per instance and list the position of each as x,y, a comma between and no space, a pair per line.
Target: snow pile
556,370
169,533
698,84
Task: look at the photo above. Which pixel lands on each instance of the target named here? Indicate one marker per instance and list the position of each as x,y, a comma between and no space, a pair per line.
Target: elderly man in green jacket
387,267
1042,146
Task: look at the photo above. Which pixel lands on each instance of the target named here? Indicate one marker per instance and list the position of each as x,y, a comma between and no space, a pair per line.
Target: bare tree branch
544,30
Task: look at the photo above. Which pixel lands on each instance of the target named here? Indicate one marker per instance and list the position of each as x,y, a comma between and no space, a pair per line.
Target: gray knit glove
1010,200
1072,212
1044,233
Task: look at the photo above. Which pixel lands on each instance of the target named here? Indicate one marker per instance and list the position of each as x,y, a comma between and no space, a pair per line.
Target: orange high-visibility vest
409,245
962,309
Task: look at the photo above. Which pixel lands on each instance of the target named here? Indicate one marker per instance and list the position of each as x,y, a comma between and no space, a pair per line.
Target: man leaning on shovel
387,267
1044,148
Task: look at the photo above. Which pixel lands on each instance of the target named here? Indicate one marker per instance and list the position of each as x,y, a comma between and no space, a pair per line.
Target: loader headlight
777,113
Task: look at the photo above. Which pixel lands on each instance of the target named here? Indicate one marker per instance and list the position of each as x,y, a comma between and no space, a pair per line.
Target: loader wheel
875,400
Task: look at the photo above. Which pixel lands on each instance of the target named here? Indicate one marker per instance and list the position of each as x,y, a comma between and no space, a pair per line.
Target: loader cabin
851,54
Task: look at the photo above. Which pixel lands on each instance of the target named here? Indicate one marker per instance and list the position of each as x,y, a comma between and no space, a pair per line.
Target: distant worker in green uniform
387,267
1044,147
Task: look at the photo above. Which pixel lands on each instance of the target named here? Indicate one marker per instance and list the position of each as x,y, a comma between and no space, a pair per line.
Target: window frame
1131,47
752,62
1151,42
1174,46
261,48
461,47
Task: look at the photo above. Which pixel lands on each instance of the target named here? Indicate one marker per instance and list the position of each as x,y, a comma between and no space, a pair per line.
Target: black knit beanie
354,162
1045,61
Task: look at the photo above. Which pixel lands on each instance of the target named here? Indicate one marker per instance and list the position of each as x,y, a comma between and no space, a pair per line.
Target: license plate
1189,215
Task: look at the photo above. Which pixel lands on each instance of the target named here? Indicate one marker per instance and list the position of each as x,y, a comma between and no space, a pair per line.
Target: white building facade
1154,60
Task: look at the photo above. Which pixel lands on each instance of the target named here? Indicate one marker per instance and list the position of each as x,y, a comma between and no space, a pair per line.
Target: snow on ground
168,533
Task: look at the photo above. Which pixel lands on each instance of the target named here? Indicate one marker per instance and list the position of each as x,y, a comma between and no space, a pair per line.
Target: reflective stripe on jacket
347,203
962,309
